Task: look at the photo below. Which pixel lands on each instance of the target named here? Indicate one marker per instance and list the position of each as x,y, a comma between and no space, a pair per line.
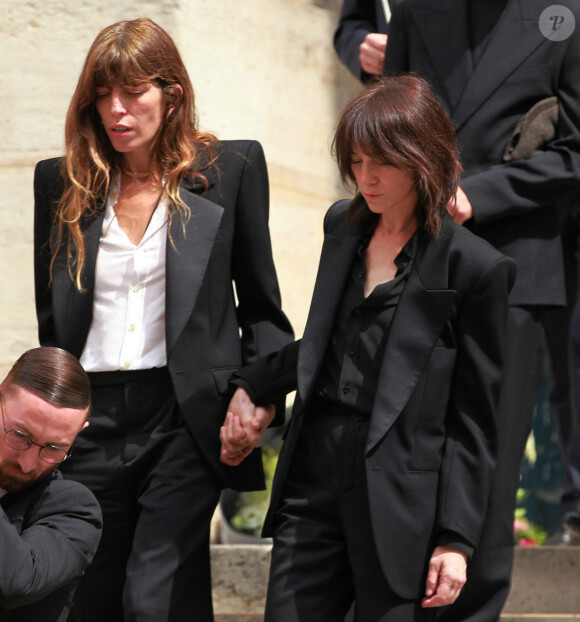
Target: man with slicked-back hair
49,527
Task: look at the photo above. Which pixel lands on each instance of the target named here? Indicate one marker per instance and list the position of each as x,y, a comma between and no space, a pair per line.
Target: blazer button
346,388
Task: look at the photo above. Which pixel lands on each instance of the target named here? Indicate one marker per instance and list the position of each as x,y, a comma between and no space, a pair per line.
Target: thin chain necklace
136,175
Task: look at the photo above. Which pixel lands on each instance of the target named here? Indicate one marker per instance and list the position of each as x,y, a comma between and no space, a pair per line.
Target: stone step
545,583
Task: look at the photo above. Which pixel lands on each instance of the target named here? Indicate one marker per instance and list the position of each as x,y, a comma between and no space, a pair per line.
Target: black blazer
514,203
48,536
226,239
429,452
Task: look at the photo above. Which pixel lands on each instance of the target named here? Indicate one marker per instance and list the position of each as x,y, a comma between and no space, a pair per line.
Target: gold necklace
136,175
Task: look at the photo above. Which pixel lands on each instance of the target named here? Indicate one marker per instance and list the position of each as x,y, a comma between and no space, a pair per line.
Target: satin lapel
187,261
421,314
335,263
516,36
73,310
443,27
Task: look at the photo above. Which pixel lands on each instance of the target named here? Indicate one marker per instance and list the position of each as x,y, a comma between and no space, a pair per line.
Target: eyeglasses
20,441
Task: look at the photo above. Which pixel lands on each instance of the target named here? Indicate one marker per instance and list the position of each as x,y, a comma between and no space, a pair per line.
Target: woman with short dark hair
383,479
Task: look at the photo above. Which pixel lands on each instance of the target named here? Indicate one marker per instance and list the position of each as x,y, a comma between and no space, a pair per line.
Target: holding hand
243,428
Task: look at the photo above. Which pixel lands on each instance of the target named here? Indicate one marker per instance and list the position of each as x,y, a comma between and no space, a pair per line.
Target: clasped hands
243,428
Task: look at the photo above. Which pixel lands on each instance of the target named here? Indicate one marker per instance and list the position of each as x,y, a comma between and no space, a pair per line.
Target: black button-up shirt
351,366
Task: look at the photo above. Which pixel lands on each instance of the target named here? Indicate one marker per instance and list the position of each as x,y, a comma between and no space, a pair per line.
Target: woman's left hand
446,577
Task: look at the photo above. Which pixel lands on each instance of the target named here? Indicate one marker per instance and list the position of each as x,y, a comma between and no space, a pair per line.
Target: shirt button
346,388
127,365
132,328
136,288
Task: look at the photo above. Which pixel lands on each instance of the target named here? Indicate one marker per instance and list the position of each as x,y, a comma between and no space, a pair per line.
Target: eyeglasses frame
67,454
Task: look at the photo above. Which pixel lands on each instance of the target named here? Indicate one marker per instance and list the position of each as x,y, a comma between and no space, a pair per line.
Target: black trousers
324,555
562,327
489,571
157,495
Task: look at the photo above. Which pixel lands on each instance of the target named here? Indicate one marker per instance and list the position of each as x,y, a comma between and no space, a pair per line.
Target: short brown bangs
117,66
373,136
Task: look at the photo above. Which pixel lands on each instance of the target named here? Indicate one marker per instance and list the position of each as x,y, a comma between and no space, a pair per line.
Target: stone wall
261,69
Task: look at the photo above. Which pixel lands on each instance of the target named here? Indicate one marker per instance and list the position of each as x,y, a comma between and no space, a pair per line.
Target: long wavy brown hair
398,121
127,53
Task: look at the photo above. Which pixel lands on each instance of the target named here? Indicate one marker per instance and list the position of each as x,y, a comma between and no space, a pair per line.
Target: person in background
466,50
142,231
49,527
361,36
383,478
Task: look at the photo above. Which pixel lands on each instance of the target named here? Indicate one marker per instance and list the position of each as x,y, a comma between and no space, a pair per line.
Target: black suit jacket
429,452
514,203
48,536
226,239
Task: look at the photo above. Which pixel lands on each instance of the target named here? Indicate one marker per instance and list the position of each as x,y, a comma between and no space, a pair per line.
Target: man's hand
372,53
243,428
445,578
459,207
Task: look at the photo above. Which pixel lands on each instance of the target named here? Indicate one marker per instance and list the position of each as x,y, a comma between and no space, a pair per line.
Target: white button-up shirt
128,326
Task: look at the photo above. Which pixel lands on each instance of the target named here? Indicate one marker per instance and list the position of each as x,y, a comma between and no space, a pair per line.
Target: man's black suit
210,331
429,449
48,536
514,207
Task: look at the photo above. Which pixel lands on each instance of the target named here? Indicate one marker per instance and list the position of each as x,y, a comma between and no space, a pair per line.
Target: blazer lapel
421,314
186,261
335,263
443,26
516,36
68,302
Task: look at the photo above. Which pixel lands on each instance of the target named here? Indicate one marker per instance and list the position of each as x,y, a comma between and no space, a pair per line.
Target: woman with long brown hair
140,231
382,483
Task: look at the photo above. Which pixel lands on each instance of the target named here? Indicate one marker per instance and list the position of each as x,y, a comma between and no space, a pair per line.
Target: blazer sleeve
264,327
469,454
47,191
58,540
272,377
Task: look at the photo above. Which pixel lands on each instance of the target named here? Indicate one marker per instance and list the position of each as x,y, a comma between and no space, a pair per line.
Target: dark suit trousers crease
324,556
157,495
489,571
